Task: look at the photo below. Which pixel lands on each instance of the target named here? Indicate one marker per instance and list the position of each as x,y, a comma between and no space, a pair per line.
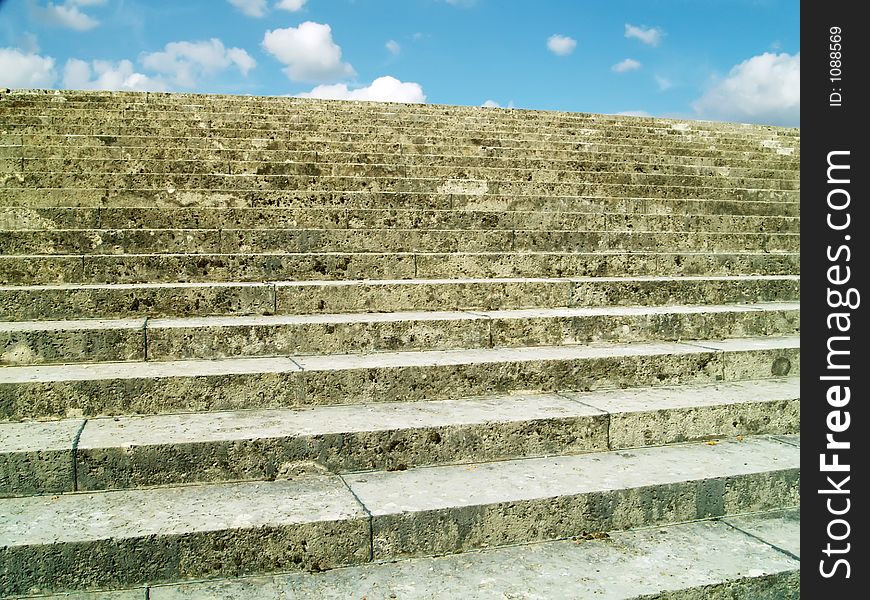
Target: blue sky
715,59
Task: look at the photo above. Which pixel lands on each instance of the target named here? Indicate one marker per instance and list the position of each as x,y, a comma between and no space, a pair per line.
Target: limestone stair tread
264,266
714,560
83,218
158,339
39,157
125,452
667,145
136,387
313,116
283,240
196,125
383,515
678,158
619,182
338,318
340,362
193,102
72,149
324,167
199,199
70,301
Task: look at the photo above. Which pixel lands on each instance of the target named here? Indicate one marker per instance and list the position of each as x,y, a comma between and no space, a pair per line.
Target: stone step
751,557
313,120
196,103
73,149
423,140
453,198
452,144
282,126
64,391
16,218
609,174
234,241
31,303
126,452
318,523
88,341
311,117
309,266
628,186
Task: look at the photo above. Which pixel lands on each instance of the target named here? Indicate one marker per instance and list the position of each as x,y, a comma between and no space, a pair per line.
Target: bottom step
749,557
104,540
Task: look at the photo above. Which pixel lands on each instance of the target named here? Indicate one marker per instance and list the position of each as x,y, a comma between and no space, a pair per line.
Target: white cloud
494,104
652,36
464,3
663,82
561,44
187,62
763,89
394,47
382,89
67,14
634,113
25,69
251,8
106,75
629,64
308,51
290,5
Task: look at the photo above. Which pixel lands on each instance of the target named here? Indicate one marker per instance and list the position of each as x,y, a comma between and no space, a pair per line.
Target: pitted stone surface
779,529
643,417
184,532
500,326
700,559
266,444
454,508
37,458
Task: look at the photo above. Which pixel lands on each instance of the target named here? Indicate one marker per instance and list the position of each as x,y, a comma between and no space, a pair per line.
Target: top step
245,106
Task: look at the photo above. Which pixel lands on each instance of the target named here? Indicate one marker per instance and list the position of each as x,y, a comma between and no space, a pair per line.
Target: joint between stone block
762,540
74,456
369,517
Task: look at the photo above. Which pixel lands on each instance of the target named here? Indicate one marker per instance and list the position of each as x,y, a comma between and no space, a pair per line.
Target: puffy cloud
67,15
629,64
382,89
652,36
494,104
394,47
763,89
290,5
308,51
106,75
187,62
25,69
561,45
251,8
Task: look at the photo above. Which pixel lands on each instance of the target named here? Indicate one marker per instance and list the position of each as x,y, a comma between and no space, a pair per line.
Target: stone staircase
285,348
